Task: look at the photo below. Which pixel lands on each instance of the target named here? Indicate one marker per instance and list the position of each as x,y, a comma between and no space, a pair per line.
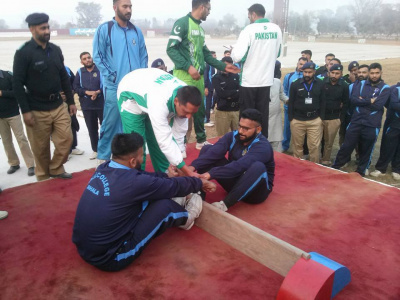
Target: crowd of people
149,110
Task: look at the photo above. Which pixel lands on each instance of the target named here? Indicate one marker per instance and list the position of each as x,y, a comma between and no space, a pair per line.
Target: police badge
133,42
94,74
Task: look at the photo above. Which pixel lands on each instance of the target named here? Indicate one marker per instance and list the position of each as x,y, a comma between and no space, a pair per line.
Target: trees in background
88,14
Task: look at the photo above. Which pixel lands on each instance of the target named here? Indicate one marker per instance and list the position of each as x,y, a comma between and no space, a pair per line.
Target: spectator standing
227,100
187,49
89,87
10,119
39,66
353,73
257,48
209,91
323,71
118,48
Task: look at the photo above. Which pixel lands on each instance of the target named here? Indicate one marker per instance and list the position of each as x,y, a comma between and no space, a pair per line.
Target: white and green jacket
152,91
257,48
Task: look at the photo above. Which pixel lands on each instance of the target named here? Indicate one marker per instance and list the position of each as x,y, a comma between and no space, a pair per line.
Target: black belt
50,97
308,114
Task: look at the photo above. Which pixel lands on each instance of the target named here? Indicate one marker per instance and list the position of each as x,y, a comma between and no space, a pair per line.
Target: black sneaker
31,171
64,175
13,169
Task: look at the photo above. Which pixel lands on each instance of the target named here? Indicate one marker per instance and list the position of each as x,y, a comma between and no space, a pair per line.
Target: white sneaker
194,207
93,156
366,172
220,205
182,201
396,176
377,173
77,151
3,214
200,145
209,124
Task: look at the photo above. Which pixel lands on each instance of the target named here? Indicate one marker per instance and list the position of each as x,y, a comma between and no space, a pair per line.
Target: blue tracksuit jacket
118,51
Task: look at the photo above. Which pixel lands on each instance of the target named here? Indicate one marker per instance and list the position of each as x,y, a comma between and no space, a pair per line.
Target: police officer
335,93
39,66
369,98
305,111
353,73
226,96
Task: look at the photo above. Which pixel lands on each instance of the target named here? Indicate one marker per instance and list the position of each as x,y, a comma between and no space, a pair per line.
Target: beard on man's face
243,139
307,78
124,17
375,81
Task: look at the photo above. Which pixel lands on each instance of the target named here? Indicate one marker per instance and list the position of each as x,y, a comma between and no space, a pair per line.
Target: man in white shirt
257,49
157,105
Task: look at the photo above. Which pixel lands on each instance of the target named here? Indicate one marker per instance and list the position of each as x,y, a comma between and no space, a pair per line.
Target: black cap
308,65
336,67
37,19
157,63
352,65
227,59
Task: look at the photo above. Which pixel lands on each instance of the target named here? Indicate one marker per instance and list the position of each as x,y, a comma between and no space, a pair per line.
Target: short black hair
375,66
212,52
329,54
252,114
302,58
309,52
227,51
258,9
83,53
197,3
363,66
336,59
227,59
189,94
126,143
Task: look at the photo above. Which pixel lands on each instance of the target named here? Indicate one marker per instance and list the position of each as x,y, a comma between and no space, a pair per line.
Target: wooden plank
263,247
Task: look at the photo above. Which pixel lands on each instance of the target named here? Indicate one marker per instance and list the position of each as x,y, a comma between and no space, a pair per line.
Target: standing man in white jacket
157,105
257,49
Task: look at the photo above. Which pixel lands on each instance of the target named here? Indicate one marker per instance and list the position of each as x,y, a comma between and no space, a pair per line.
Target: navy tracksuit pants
390,150
154,220
365,137
251,187
209,105
92,120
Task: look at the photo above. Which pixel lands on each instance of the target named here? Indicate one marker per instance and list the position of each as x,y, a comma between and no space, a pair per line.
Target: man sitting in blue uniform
123,209
368,97
248,173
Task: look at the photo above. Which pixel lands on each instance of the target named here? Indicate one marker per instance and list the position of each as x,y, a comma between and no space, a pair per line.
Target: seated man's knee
205,149
258,167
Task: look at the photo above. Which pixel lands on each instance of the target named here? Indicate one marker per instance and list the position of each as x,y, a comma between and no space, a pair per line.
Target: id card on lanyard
309,98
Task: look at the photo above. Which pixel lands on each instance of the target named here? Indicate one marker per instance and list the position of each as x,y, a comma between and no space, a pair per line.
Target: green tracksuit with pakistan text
186,47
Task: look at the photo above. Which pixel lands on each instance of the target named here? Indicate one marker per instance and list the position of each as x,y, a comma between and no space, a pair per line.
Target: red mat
342,216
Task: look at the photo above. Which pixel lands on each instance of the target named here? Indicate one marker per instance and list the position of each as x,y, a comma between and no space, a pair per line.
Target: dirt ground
391,75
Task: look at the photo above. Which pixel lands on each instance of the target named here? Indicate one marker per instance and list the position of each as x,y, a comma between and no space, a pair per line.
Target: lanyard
308,90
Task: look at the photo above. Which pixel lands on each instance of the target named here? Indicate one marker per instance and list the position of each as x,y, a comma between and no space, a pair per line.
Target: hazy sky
64,11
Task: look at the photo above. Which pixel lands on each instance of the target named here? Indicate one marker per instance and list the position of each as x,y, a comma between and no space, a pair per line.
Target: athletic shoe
377,173
3,214
326,163
200,145
194,207
64,175
13,169
209,124
93,156
220,205
31,171
182,201
366,173
396,176
77,151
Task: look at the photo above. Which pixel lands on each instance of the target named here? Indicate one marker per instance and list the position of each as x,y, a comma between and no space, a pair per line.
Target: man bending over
123,209
248,173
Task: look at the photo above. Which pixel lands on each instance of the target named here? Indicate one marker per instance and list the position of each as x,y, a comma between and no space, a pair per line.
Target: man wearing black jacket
305,111
226,96
335,93
248,173
39,66
10,119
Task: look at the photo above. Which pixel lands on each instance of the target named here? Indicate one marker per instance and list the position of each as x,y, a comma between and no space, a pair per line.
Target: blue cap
308,65
353,64
336,67
37,19
157,63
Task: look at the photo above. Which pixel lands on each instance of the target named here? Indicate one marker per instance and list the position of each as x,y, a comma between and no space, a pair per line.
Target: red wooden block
307,280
